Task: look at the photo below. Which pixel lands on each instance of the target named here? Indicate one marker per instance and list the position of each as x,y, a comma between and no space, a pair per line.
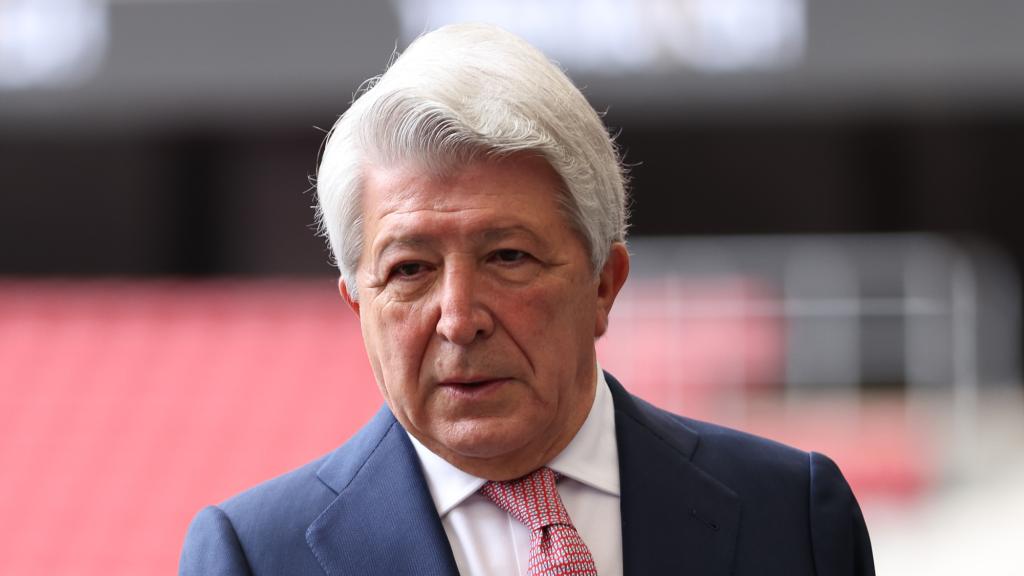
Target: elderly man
476,206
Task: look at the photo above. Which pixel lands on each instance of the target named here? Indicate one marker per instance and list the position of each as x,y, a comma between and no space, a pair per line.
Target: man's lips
474,381
472,386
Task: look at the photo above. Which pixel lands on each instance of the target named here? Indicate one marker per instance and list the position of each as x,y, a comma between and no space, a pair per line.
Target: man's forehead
412,236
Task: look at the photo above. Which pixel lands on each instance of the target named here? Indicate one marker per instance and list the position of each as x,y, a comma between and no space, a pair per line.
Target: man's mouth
475,381
472,386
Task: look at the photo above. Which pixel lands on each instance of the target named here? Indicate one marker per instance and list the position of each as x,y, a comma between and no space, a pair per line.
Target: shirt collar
592,458
593,455
448,485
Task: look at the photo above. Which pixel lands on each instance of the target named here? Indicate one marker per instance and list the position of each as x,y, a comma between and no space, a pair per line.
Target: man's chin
479,444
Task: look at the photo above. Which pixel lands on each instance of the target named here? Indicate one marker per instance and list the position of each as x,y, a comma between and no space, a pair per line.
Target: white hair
463,92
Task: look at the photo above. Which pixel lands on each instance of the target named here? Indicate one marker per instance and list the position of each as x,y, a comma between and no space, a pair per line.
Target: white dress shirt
486,540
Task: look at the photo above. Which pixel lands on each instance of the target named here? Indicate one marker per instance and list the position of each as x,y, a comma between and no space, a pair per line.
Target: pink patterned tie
556,548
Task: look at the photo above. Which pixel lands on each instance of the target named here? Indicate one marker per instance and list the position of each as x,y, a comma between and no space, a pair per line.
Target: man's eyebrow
402,242
421,241
503,232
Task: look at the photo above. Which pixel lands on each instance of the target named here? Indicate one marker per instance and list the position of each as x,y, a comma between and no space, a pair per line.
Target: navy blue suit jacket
697,499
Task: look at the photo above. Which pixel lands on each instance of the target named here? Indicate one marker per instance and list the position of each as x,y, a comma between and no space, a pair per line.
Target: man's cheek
402,350
537,307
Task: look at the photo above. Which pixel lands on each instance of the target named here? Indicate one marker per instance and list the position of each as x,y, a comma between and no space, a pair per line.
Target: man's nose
464,318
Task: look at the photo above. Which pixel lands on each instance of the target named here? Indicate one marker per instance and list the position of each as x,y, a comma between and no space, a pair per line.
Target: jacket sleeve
212,547
839,537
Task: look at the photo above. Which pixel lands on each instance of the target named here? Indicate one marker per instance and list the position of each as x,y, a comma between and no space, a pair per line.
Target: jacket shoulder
265,526
728,454
261,530
769,477
288,501
722,449
791,499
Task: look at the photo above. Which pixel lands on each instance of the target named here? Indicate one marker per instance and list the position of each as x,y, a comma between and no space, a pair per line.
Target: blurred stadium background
826,242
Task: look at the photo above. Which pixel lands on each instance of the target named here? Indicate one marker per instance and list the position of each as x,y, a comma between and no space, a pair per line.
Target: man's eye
407,270
510,256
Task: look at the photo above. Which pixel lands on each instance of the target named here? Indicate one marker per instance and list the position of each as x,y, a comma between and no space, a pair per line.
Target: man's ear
610,281
352,302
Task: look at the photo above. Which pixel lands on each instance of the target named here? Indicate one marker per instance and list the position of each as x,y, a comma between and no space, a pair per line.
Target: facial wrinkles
412,201
522,318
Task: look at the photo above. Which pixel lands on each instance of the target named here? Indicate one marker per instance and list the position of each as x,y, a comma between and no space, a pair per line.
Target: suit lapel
676,519
383,520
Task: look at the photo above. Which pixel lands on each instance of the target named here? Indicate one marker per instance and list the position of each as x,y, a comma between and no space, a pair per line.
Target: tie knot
532,499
